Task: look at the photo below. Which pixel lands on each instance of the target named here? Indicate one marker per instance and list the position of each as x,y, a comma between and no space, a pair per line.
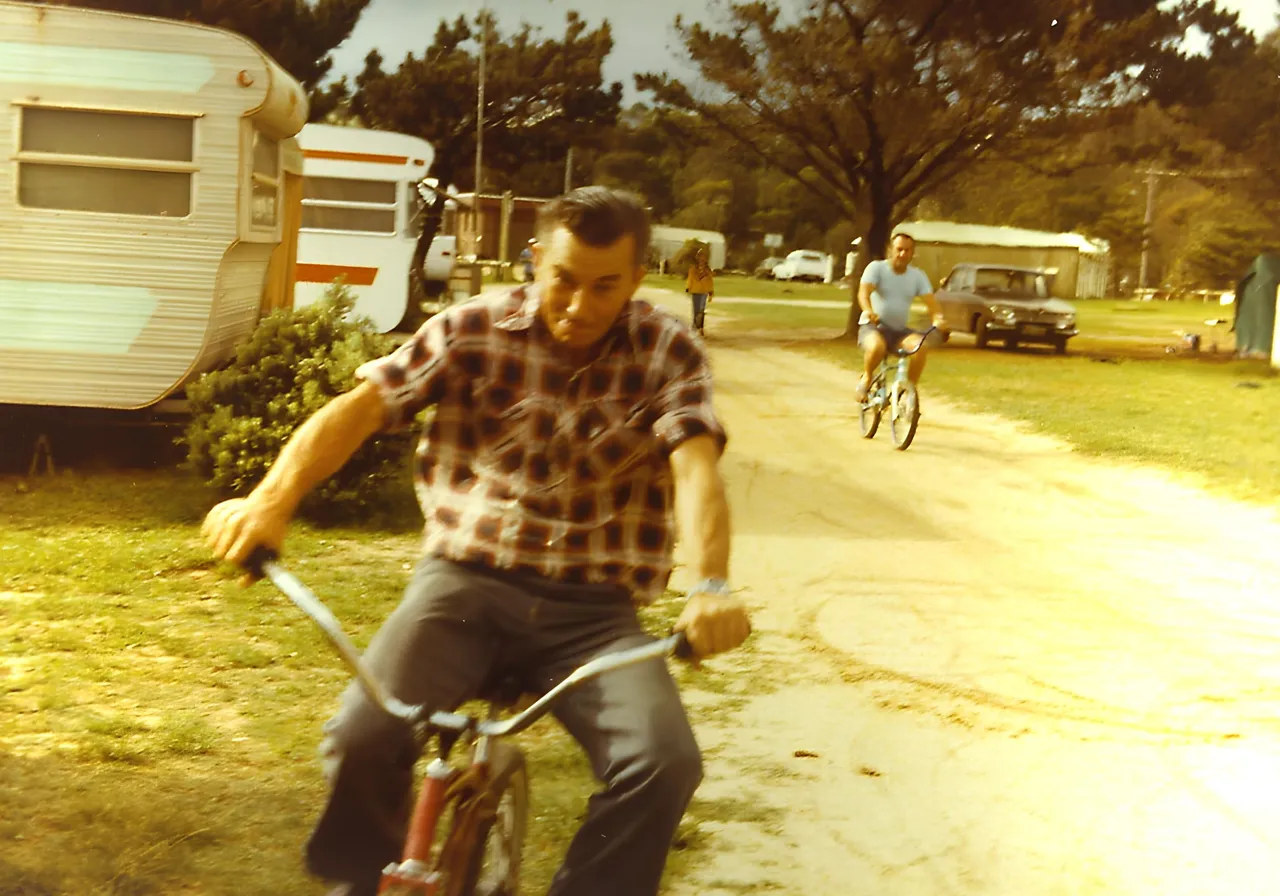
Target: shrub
293,364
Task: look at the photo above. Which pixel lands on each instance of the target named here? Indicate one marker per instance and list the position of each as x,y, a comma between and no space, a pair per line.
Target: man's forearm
864,297
702,512
704,517
320,447
935,310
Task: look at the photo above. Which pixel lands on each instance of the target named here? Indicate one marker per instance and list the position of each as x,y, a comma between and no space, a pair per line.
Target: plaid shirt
531,465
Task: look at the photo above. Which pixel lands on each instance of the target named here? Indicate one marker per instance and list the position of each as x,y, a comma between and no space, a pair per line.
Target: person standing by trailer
700,285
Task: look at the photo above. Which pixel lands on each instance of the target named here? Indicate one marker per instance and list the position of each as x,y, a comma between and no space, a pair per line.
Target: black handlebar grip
257,557
684,650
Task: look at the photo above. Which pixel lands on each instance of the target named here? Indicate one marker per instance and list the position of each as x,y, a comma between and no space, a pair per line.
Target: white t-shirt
893,294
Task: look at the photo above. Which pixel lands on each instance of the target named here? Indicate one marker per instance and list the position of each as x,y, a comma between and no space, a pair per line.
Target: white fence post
1275,334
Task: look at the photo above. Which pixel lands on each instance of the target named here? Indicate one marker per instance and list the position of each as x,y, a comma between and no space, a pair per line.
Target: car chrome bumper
1031,332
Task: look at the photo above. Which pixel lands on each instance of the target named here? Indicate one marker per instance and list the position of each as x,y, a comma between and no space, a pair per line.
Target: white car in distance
802,264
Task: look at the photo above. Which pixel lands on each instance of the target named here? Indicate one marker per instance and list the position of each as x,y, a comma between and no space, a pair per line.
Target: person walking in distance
700,285
574,434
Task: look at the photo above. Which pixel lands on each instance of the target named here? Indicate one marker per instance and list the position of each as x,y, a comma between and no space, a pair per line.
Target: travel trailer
361,210
149,201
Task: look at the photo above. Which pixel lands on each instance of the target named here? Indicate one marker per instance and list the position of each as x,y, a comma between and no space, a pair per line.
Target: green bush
292,365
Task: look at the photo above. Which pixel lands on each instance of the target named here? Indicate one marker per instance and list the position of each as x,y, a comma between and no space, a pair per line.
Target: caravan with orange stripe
361,214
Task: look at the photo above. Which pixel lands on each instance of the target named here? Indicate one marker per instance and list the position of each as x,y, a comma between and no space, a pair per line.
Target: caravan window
340,203
112,162
266,180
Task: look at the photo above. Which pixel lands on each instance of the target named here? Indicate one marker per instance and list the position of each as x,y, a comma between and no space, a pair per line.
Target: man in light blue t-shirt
888,289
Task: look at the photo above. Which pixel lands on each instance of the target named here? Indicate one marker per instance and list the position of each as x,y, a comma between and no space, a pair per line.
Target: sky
643,36
644,39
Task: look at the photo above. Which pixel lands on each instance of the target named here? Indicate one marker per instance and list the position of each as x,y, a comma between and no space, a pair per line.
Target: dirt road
1007,669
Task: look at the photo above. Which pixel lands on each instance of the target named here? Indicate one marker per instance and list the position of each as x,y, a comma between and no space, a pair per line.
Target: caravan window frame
396,206
260,175
24,158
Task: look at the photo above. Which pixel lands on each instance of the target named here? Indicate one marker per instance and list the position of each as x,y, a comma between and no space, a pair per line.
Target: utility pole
1149,216
476,209
1146,228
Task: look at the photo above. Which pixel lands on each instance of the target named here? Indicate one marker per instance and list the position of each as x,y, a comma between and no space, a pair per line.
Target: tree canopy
873,105
542,95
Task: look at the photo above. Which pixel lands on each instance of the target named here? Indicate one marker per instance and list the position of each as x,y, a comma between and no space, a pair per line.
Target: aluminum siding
199,314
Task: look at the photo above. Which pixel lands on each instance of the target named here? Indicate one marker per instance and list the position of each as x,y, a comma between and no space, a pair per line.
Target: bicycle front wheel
492,867
871,409
905,415
869,419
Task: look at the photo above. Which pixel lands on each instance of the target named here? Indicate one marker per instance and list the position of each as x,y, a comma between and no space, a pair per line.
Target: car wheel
1060,346
1011,343
980,335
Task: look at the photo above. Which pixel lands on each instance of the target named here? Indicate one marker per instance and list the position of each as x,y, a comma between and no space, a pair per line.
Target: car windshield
1011,284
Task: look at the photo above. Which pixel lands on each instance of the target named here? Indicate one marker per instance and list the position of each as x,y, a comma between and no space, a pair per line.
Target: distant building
485,240
668,241
1082,265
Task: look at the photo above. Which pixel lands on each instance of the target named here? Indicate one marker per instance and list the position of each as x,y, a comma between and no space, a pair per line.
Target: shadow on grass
70,827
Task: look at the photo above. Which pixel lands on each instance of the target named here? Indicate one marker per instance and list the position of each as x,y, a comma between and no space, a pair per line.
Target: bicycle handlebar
263,562
923,336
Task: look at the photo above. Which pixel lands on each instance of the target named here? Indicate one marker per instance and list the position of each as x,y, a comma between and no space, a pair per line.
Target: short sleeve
871,273
684,403
925,287
413,376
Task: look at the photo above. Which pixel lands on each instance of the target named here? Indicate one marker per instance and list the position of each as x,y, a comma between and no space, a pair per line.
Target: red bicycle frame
419,873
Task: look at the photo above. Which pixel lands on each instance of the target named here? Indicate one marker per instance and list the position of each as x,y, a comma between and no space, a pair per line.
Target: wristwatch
710,585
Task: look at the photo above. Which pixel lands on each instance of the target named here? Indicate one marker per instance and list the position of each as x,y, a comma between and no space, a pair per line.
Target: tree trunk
419,289
431,218
874,240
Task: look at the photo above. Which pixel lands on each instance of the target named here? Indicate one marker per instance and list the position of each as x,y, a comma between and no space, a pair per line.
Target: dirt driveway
1006,669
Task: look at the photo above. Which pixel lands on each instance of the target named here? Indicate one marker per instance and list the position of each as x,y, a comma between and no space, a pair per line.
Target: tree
646,151
541,96
872,105
298,34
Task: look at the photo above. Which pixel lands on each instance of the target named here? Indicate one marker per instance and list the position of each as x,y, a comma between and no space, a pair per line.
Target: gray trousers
456,629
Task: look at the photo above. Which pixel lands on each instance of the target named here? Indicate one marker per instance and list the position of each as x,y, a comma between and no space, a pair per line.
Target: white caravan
148,192
360,219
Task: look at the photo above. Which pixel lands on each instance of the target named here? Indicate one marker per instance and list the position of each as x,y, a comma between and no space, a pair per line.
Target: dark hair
599,216
903,235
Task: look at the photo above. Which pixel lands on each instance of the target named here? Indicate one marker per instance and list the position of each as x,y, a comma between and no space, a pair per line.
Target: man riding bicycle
889,288
573,424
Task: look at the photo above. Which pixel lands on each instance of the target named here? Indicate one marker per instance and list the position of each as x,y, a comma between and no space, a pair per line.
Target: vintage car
802,264
1010,304
764,270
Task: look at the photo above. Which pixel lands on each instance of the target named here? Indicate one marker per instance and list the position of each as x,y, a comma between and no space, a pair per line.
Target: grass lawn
159,724
1117,394
751,288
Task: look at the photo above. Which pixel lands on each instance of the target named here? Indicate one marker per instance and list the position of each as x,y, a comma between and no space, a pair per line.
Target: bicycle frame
419,873
890,385
897,362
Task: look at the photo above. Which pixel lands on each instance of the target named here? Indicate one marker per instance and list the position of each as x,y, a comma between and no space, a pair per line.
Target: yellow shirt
696,284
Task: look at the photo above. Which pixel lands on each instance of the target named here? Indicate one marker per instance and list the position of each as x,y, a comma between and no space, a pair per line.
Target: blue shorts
892,335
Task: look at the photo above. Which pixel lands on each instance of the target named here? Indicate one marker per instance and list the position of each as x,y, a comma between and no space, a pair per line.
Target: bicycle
899,396
476,849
